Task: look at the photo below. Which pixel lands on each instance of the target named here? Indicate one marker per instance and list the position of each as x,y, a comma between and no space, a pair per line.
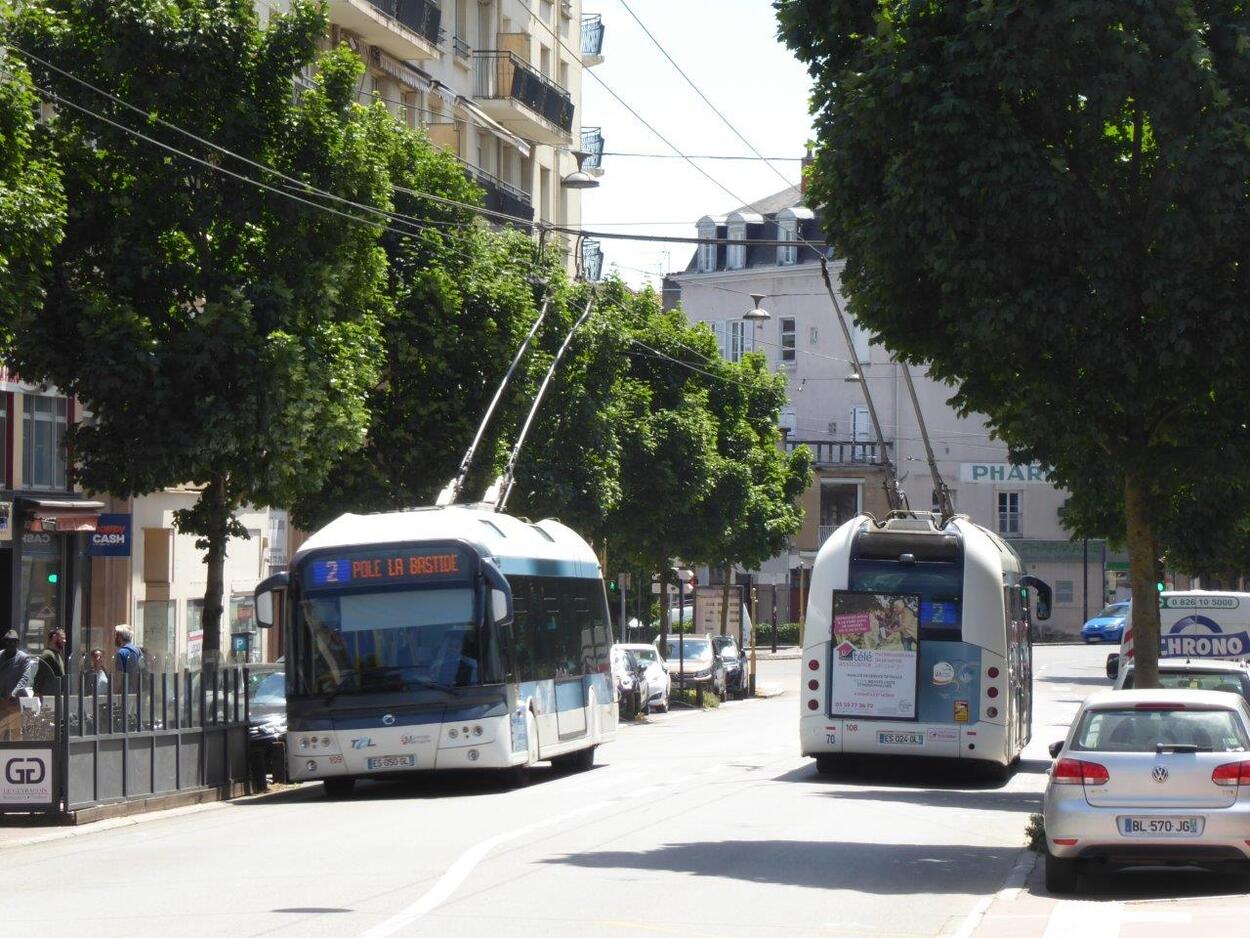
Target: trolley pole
755,616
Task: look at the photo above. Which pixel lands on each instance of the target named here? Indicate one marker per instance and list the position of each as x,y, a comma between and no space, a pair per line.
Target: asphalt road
693,824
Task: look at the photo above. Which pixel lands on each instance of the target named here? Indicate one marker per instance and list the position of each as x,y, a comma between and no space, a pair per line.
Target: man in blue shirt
129,657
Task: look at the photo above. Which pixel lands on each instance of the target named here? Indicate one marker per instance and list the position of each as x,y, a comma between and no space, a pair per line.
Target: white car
1195,674
659,682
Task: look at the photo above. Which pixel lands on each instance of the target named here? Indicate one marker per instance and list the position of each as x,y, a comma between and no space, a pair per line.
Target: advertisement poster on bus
876,649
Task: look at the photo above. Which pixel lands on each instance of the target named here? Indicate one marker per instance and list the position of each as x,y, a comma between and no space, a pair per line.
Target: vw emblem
389,720
1160,774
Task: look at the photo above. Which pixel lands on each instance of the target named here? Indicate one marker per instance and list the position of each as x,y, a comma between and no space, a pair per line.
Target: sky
730,50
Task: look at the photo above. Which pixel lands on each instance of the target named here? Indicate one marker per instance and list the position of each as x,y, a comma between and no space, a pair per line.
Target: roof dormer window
736,254
706,258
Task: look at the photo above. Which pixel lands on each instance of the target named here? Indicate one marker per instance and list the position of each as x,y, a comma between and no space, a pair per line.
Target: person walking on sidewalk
51,663
130,660
17,668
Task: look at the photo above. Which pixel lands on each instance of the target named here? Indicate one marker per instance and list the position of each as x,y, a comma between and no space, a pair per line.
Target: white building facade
827,412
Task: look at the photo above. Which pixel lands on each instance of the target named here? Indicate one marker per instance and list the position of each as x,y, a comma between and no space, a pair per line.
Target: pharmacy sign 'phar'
1005,472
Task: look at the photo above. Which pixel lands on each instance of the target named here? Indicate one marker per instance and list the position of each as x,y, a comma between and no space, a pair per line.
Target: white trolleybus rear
442,638
918,641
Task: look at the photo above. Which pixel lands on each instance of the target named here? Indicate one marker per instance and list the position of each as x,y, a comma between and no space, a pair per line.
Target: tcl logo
25,771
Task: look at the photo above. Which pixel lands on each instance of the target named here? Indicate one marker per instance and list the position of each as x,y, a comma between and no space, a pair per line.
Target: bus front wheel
338,787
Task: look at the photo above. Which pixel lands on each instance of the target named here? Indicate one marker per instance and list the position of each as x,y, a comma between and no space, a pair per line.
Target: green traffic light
1159,587
53,577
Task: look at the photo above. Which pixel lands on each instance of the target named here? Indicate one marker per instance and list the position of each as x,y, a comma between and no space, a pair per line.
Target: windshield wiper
1182,747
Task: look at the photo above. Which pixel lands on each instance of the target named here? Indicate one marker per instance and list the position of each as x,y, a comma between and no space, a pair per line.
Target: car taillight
1079,772
1231,774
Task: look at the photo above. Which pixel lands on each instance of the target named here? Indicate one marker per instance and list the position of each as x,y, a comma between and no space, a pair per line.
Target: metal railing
592,259
421,16
461,48
501,196
507,75
592,145
824,532
592,34
840,452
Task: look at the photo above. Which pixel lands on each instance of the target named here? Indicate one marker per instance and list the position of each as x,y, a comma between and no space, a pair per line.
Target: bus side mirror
1044,595
498,595
264,596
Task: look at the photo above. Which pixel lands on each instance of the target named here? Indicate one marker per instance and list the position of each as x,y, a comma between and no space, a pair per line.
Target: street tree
32,205
219,333
1046,205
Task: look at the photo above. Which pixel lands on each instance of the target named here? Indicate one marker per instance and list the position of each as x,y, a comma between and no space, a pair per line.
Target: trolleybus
918,641
441,638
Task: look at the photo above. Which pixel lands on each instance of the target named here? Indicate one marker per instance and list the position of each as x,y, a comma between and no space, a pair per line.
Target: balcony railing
592,34
592,260
461,48
840,452
824,532
592,144
506,75
421,16
501,197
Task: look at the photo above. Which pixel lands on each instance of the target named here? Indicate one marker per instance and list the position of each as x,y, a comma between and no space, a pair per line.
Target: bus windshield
940,586
389,641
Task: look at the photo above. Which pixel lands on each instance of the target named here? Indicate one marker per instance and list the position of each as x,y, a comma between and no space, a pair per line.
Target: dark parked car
737,680
266,732
701,666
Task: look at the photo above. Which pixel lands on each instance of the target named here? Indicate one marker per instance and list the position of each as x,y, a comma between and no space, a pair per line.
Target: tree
1045,203
218,333
32,205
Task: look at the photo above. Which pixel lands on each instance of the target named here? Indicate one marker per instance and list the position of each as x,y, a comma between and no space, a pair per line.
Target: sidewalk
784,653
1118,905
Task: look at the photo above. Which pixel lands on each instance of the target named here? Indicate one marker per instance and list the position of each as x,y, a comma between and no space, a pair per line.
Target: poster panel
875,655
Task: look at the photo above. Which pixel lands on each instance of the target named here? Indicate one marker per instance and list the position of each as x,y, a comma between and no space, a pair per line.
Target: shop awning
60,516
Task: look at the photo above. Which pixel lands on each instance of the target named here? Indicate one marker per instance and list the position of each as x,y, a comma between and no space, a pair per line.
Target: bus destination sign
392,566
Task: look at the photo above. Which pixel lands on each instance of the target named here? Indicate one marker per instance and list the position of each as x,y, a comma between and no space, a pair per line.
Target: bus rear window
940,586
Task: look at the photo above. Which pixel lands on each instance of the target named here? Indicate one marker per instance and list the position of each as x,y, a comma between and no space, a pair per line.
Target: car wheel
1061,874
338,787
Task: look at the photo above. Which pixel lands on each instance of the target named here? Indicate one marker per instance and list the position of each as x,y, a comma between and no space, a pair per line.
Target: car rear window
1197,680
1132,730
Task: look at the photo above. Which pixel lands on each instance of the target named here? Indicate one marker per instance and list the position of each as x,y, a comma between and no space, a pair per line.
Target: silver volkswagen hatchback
1148,777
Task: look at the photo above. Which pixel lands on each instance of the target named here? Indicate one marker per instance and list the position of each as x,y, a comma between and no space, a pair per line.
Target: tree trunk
217,515
1142,550
724,605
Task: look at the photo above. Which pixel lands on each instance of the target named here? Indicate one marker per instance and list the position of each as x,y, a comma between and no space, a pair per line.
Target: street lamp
757,315
580,179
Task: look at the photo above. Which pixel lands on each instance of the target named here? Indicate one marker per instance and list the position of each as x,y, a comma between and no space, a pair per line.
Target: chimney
804,166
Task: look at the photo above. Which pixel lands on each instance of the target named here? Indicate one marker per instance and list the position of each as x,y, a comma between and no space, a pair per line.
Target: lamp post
579,178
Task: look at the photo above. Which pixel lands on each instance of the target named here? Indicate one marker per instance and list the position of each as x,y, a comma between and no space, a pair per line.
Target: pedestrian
129,656
95,676
51,663
17,668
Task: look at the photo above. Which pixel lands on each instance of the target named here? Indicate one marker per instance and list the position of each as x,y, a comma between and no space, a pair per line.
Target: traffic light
1160,575
613,587
53,577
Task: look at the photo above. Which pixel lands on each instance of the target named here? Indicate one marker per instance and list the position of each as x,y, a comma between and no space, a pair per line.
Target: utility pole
621,580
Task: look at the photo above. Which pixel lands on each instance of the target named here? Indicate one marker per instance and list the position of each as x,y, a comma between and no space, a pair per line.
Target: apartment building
826,409
496,83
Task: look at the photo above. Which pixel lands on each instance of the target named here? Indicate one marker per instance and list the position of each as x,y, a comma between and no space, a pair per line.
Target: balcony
461,49
519,97
824,532
829,453
592,260
592,39
501,197
407,29
592,144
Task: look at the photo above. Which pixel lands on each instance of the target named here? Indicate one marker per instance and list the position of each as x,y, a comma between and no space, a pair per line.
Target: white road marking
1089,919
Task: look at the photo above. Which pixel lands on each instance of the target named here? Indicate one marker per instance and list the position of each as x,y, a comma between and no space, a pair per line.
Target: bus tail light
992,693
813,705
991,712
1232,774
813,684
992,672
813,665
1079,772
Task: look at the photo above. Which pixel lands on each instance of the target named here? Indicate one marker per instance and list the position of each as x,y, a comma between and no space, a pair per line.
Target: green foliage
1035,833
218,333
1045,205
32,204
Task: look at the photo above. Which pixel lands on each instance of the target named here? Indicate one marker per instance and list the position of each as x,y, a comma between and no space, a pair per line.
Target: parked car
1148,777
693,662
737,680
658,683
1107,626
266,731
1201,674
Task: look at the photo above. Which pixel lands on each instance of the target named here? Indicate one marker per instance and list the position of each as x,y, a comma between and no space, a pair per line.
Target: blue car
1107,626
